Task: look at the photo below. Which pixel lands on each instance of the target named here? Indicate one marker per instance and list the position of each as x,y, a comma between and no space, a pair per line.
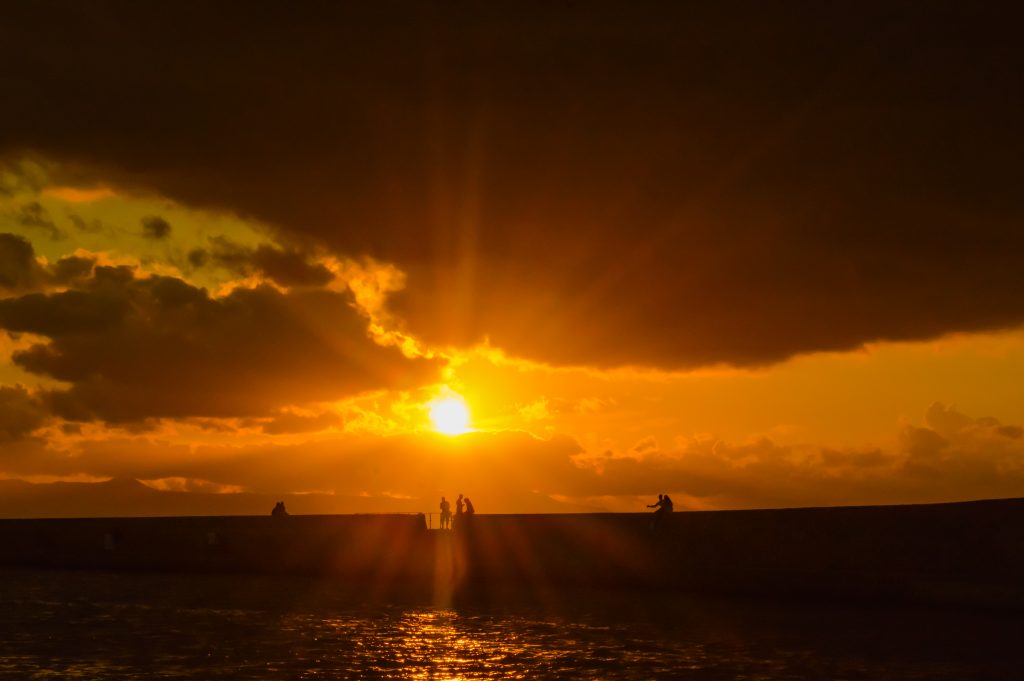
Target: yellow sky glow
720,423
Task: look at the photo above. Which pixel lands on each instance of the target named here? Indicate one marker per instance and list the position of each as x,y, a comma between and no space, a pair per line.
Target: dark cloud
214,425
72,269
34,216
71,314
604,185
88,226
20,413
289,268
18,267
286,266
198,257
19,176
20,271
155,227
288,422
1012,432
135,348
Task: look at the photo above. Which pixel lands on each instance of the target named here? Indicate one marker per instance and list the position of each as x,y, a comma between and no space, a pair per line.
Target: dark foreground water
83,625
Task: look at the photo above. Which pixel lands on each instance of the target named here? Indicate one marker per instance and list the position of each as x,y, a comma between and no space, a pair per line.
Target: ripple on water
89,625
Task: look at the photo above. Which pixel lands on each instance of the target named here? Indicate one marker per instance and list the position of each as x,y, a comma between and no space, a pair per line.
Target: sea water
92,625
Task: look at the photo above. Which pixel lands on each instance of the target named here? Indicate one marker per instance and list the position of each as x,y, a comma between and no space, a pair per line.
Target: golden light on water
450,415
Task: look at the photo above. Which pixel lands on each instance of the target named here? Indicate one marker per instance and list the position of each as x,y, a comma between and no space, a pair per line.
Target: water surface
62,624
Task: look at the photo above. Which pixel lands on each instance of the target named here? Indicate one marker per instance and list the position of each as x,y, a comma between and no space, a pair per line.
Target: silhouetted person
467,517
458,510
279,510
659,513
666,504
446,514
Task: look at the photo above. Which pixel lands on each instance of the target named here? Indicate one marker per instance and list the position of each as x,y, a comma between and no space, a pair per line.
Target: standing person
659,512
458,510
446,514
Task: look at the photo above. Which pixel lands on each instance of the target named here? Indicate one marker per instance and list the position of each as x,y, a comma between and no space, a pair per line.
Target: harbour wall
961,553
968,553
351,545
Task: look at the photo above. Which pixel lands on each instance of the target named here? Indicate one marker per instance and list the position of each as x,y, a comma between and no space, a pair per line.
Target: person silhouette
659,513
446,514
458,510
279,510
469,507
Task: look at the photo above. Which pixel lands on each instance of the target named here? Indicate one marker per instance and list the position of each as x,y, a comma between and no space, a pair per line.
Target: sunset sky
557,259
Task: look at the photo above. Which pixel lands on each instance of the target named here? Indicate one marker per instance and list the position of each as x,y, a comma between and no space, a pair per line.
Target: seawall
359,546
967,553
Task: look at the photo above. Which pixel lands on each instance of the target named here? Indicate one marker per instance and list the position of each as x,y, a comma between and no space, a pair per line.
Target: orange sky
641,264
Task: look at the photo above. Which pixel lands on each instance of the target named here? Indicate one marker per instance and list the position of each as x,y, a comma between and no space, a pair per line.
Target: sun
450,415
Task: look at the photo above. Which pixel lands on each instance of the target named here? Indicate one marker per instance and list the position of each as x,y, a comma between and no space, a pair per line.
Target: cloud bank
132,347
604,187
949,457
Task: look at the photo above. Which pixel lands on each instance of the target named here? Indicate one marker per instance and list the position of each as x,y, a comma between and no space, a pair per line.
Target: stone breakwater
961,553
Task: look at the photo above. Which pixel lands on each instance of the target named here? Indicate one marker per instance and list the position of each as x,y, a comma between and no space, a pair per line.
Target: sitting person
279,510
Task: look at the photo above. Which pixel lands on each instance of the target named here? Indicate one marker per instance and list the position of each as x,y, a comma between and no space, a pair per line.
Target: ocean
98,625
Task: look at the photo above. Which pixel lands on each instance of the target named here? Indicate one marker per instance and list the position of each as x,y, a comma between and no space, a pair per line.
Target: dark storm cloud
289,423
198,257
136,348
18,267
606,184
72,269
20,271
286,266
20,413
88,226
155,227
34,216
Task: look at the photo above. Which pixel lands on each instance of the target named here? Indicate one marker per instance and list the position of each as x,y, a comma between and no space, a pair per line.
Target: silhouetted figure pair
463,510
446,514
663,507
279,510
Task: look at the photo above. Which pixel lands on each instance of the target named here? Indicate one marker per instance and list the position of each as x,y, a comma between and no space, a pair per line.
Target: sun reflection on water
204,627
443,650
